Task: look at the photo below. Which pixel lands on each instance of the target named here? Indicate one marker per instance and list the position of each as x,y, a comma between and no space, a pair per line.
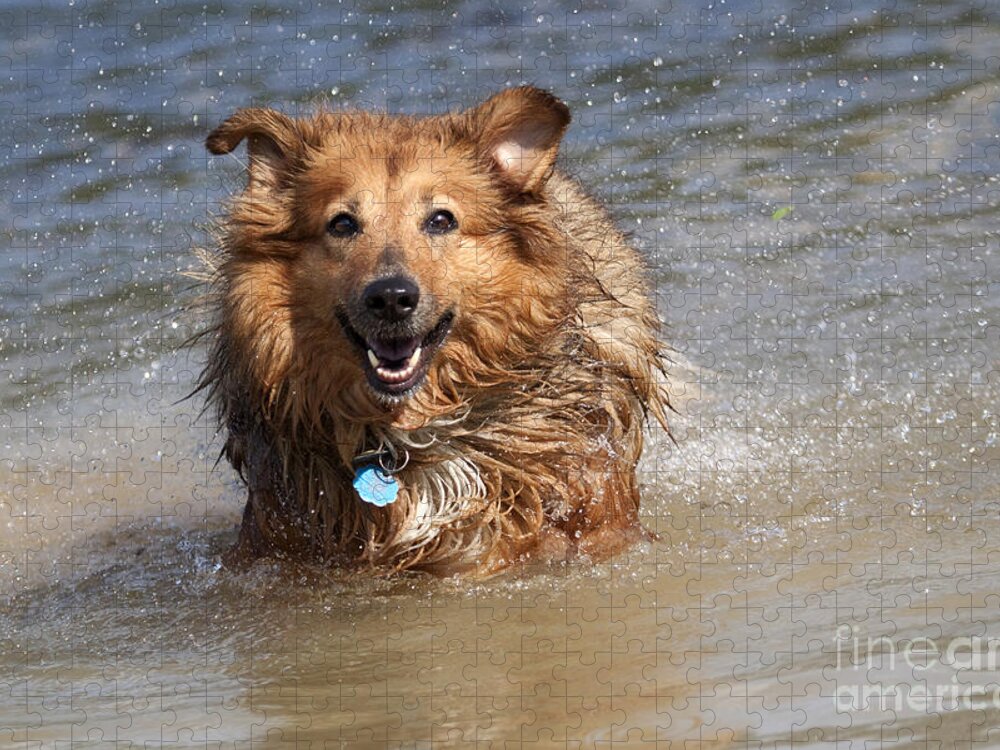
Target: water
814,187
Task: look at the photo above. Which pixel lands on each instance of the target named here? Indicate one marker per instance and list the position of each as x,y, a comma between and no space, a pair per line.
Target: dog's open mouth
395,366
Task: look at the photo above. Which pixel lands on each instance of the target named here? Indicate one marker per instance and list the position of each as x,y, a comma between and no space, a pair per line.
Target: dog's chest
441,495
443,485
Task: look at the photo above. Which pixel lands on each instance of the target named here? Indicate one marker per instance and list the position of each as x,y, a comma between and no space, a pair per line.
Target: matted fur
525,434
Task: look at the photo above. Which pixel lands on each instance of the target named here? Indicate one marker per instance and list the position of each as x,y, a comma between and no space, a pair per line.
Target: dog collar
373,475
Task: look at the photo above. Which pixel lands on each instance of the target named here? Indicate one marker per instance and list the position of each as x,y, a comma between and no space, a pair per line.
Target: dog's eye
440,222
343,225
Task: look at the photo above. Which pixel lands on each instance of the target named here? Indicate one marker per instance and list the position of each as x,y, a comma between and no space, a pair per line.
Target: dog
430,349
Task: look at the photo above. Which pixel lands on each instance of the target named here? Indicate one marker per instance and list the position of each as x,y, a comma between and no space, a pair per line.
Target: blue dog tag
375,486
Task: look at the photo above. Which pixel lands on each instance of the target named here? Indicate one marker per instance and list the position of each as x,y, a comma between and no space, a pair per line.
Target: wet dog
431,349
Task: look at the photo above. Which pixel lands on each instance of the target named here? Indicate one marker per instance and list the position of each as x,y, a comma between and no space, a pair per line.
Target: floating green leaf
781,213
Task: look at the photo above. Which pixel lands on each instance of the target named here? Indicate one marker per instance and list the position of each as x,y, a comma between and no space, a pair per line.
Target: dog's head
393,252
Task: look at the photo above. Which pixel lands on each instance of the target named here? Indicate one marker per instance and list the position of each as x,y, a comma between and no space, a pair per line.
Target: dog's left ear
274,141
518,133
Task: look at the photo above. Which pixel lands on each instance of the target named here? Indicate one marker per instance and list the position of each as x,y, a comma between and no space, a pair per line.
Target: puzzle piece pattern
814,185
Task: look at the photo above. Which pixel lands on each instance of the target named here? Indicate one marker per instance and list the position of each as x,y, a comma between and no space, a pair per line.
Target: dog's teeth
389,375
372,358
414,358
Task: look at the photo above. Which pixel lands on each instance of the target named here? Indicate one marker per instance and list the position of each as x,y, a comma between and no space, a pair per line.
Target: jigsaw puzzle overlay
814,186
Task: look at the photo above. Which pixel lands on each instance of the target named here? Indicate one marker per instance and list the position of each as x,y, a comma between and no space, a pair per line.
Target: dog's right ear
273,142
518,133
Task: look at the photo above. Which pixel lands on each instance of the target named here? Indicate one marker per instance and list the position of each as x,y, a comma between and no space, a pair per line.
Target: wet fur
524,437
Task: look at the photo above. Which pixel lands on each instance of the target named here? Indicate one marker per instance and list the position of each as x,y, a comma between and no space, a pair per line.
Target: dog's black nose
393,299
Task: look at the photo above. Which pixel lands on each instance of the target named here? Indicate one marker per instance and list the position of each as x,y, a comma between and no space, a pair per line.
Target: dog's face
393,253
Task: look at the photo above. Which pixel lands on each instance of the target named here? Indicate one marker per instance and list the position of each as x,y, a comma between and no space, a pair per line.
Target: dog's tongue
393,351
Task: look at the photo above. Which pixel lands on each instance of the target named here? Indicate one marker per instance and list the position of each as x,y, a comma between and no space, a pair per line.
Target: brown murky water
815,187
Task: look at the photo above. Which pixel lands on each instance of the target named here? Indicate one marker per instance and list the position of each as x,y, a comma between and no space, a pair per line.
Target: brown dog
431,350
